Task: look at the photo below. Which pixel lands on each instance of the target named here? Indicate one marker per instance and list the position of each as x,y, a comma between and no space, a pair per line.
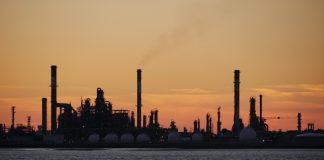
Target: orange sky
188,50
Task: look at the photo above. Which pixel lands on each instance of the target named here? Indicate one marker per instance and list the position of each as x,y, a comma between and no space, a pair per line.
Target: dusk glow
187,50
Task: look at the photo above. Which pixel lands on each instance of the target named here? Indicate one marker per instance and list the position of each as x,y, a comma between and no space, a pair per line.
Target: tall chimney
207,123
44,116
133,120
253,117
13,111
139,97
219,123
144,121
198,124
156,118
261,121
28,123
299,122
53,98
195,126
236,125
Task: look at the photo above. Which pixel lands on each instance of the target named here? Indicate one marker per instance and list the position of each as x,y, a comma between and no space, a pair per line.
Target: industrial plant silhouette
101,125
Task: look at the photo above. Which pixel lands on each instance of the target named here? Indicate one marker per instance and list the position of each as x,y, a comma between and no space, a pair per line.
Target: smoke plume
194,25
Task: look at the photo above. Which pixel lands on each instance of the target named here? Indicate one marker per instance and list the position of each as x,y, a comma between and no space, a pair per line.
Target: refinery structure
100,123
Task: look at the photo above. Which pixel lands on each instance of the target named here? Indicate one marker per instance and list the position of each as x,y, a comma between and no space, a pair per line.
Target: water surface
162,154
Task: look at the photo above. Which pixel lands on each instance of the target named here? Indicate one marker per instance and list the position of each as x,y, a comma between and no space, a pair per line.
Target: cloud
310,93
193,91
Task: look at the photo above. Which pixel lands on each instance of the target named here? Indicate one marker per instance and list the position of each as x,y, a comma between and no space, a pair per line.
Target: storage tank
173,137
143,138
127,138
111,138
94,138
197,138
248,135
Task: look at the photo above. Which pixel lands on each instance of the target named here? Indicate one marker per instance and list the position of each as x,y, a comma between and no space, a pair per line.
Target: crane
276,117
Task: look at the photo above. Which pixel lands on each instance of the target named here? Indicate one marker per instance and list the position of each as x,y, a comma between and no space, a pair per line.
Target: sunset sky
188,50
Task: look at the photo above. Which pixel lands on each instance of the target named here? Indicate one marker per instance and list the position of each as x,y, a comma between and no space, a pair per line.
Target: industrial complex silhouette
101,124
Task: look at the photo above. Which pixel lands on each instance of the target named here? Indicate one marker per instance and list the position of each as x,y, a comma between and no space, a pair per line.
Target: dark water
167,154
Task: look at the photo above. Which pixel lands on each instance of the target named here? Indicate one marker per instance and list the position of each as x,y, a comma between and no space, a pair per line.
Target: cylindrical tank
127,138
248,136
111,138
94,138
143,138
197,138
173,137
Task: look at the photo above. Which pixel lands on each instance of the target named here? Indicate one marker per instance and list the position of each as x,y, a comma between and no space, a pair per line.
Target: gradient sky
188,50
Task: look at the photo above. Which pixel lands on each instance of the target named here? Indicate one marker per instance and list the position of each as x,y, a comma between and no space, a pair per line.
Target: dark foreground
161,154
168,145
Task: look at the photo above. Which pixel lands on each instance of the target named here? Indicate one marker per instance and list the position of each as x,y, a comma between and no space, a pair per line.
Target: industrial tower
139,98
53,98
236,125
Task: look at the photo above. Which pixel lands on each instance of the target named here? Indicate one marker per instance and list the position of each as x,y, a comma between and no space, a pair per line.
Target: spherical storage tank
111,138
248,135
143,138
94,138
127,138
197,138
173,137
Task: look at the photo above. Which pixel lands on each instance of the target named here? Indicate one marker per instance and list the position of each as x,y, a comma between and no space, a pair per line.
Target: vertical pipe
210,125
44,116
144,121
198,124
28,123
151,119
195,126
156,119
132,120
53,98
219,121
207,123
139,97
299,122
13,111
261,121
253,118
236,125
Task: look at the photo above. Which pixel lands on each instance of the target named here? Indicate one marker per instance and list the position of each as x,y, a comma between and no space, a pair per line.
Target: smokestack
210,125
133,120
236,125
144,121
219,123
261,121
156,119
13,111
44,116
299,122
139,97
28,123
151,119
207,123
53,98
195,126
253,118
198,124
